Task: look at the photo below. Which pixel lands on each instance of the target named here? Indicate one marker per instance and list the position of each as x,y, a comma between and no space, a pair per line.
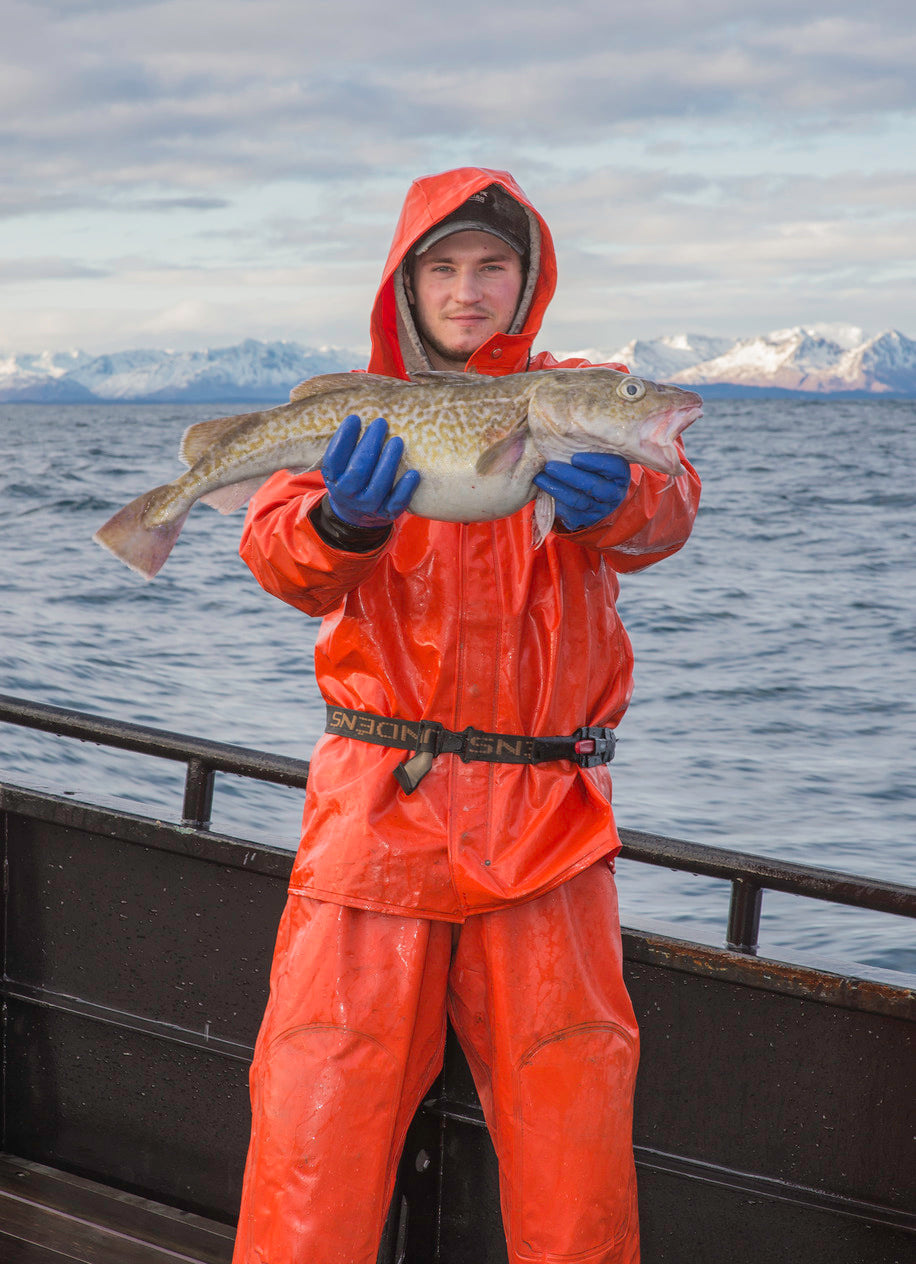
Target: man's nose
467,286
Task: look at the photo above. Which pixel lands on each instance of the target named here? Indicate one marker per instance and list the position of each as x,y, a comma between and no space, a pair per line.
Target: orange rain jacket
467,625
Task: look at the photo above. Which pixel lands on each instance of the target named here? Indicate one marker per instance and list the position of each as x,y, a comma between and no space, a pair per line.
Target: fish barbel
476,441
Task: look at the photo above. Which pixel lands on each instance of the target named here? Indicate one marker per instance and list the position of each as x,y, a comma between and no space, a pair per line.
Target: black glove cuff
343,535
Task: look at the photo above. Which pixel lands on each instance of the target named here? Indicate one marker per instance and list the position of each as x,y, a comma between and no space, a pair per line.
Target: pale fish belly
472,497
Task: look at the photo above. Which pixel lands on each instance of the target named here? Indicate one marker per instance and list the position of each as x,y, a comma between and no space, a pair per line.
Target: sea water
775,701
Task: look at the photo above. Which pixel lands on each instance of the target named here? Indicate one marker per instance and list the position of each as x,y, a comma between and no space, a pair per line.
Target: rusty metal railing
750,875
203,759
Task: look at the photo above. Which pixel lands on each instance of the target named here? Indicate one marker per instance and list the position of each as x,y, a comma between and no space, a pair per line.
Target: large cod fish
476,441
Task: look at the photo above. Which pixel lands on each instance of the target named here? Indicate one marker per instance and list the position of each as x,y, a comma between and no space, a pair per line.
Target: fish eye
631,389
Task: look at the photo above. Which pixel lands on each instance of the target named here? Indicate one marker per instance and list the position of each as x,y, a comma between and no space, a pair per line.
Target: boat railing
749,875
202,758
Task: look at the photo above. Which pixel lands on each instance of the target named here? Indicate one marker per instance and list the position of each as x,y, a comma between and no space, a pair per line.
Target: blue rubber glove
360,474
588,488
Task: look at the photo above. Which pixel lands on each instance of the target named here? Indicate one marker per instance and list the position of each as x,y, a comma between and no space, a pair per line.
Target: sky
187,173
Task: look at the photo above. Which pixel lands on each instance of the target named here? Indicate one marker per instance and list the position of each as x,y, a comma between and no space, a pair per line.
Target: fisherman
476,881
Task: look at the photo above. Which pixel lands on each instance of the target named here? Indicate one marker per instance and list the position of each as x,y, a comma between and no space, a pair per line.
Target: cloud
178,204
208,94
176,152
16,271
641,251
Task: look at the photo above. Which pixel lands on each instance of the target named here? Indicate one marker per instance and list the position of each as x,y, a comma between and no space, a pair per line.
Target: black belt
588,747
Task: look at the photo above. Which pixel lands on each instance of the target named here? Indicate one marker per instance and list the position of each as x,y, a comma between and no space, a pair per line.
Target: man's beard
458,359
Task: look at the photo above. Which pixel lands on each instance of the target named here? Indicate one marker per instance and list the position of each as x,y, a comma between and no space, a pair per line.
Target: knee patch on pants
326,1100
574,1160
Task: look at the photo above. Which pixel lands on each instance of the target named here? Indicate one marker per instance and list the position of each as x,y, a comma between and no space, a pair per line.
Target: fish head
604,410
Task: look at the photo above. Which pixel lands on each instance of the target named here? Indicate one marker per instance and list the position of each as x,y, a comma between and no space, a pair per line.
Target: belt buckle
448,742
594,746
463,744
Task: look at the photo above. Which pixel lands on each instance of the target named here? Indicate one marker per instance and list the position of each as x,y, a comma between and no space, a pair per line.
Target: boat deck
774,1107
51,1217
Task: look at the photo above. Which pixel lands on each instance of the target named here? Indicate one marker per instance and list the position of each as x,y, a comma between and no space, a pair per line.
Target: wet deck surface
50,1217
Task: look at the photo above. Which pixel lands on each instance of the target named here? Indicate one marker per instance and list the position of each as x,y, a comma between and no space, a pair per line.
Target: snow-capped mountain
819,359
251,371
661,359
19,373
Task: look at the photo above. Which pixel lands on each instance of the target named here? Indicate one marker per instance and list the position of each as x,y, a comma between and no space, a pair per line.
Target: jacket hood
396,347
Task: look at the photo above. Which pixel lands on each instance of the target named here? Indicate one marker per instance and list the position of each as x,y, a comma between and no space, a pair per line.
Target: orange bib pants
353,1038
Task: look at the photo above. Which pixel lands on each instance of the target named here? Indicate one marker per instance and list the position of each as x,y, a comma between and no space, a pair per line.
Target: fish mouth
659,431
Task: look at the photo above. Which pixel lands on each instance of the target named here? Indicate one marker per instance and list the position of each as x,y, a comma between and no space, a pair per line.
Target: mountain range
817,359
805,360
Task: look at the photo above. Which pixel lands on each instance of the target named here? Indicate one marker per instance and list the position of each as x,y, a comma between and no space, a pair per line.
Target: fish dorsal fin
433,377
198,438
505,451
328,383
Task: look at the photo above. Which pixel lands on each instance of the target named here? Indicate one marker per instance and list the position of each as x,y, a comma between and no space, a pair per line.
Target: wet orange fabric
353,1037
467,625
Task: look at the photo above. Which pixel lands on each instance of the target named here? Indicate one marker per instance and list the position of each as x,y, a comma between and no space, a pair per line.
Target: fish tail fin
144,548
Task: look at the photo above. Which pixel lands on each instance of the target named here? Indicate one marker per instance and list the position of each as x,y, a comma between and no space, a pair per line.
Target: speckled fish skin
476,441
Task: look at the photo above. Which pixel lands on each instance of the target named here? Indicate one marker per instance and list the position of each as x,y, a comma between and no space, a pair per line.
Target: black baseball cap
491,210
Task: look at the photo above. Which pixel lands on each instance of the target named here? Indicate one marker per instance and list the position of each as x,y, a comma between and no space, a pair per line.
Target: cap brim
467,225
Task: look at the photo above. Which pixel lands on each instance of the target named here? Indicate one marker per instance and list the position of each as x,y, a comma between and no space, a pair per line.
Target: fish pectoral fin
329,383
505,453
544,513
233,496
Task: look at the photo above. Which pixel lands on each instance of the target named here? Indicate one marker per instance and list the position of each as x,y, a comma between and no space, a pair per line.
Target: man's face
465,289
